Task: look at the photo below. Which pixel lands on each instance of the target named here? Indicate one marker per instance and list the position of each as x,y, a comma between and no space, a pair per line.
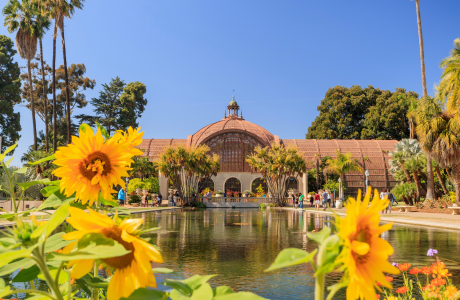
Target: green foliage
449,87
10,85
134,199
332,185
357,113
404,191
132,104
260,190
262,205
197,204
107,106
135,183
142,167
152,184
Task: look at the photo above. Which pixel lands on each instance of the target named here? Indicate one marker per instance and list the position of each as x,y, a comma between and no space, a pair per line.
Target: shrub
198,204
134,184
262,205
134,199
219,192
333,185
151,184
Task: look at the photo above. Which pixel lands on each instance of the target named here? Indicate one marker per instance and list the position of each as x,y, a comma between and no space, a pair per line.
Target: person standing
312,199
301,201
317,198
324,200
329,199
121,197
293,201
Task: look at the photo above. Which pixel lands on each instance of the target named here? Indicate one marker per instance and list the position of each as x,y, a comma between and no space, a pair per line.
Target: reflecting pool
238,244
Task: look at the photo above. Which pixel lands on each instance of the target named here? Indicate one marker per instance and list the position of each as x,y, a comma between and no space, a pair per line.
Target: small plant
430,203
260,191
134,184
419,205
262,205
151,184
199,205
219,192
271,204
134,199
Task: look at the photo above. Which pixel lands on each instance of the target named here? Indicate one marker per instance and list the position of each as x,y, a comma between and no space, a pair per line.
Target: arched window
205,183
291,183
233,184
259,181
233,149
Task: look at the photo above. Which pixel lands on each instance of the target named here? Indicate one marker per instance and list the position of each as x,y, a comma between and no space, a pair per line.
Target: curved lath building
233,138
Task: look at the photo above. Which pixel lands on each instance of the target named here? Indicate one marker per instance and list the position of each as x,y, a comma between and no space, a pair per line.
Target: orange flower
426,270
404,267
443,273
437,266
433,296
72,281
402,290
428,287
450,292
378,296
415,271
388,278
438,282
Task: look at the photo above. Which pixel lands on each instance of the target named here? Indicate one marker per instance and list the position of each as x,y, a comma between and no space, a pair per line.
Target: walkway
445,221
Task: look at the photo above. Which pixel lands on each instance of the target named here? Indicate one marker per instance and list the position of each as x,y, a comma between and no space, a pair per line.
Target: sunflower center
120,262
96,165
362,235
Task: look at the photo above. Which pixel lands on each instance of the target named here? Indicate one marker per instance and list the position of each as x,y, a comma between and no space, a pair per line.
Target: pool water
238,244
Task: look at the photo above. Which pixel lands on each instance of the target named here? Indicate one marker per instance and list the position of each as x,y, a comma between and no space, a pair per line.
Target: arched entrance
205,184
233,184
257,182
291,183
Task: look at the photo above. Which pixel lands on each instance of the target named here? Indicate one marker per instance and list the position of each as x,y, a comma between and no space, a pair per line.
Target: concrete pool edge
388,220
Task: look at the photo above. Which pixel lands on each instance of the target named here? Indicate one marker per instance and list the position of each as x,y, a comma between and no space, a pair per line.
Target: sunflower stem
319,284
96,290
39,259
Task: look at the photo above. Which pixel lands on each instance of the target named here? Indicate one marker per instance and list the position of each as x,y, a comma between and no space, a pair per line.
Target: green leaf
22,170
83,285
79,205
7,163
144,293
26,185
222,290
63,276
4,289
162,270
9,149
9,256
150,230
22,263
291,257
49,190
320,236
103,131
56,219
56,199
178,285
56,242
111,202
9,242
51,157
204,292
195,281
239,296
46,181
28,274
83,127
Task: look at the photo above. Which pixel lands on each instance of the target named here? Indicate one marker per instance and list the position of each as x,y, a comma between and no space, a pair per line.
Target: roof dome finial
233,102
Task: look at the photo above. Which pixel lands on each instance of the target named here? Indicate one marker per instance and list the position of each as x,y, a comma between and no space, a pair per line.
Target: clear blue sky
280,57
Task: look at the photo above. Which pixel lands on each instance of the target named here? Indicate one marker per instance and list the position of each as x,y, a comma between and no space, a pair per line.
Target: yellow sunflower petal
360,248
131,225
81,268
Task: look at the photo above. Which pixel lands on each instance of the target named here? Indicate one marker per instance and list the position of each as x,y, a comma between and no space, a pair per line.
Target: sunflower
131,271
90,165
365,254
132,138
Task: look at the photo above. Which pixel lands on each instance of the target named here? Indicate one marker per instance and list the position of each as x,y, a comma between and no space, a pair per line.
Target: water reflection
238,244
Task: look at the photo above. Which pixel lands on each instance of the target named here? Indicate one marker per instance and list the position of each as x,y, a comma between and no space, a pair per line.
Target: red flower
428,287
402,290
378,296
388,278
426,270
404,267
415,271
438,282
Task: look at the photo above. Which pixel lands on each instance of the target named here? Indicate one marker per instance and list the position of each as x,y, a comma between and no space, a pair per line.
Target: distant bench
405,208
456,210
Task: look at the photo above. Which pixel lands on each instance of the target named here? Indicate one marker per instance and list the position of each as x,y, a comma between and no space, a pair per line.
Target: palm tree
414,164
43,25
429,166
19,15
440,137
449,87
342,164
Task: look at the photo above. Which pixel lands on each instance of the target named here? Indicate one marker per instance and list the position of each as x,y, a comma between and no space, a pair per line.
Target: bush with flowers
87,248
431,282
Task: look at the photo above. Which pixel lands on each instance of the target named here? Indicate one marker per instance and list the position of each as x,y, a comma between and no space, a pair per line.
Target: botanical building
233,138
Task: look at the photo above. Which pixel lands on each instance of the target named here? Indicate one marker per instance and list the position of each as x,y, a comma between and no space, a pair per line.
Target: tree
429,165
107,106
132,104
277,164
449,87
10,85
342,164
19,15
357,113
187,167
440,138
142,167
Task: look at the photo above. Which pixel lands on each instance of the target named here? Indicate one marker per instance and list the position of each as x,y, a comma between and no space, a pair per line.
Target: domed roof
233,102
232,124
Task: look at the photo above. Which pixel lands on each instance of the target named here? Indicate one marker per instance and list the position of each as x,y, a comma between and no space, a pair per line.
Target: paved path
445,221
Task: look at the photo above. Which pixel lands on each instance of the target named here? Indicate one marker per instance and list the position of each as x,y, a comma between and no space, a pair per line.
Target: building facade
233,138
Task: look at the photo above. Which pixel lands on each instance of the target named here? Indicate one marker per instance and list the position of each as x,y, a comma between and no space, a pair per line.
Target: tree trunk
417,184
32,105
408,178
430,178
438,173
456,181
317,175
54,89
45,97
67,96
449,174
422,51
